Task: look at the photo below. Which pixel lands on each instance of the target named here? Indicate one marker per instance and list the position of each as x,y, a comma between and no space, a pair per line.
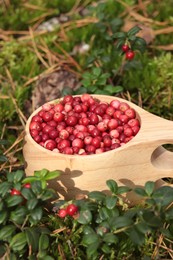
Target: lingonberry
130,55
27,185
77,142
125,47
14,192
50,144
84,125
130,112
71,120
71,209
47,116
62,213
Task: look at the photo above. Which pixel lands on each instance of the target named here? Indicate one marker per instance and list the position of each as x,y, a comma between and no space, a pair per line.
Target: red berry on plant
14,192
130,55
125,47
71,209
27,185
62,213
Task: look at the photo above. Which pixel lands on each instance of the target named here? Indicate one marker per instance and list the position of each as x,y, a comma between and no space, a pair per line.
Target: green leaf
110,202
92,250
41,174
106,249
112,186
121,221
5,188
169,214
119,35
14,200
140,192
142,227
149,187
3,158
85,217
134,30
18,215
18,176
47,194
2,251
137,237
6,232
96,195
32,237
123,189
37,187
36,214
30,179
88,230
52,175
43,242
104,213
18,242
113,89
96,71
110,238
32,203
3,216
10,176
27,193
152,220
90,239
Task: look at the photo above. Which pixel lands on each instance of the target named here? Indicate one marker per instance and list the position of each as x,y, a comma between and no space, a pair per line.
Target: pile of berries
70,210
84,125
129,53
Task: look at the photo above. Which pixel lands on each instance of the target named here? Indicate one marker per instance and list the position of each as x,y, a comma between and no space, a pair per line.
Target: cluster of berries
70,210
129,53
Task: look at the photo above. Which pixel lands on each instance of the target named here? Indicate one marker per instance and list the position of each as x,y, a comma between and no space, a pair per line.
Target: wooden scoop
140,160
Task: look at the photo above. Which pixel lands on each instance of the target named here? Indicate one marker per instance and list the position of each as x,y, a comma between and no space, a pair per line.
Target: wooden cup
140,160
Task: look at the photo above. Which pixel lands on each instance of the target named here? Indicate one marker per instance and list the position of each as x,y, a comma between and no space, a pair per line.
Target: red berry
130,55
15,192
125,47
62,213
71,209
27,185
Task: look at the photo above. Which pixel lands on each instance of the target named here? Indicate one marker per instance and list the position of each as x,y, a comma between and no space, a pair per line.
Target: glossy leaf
18,176
3,216
120,222
4,188
36,214
18,215
97,195
110,238
18,242
112,186
137,237
134,30
90,239
85,217
141,192
32,237
43,242
27,193
52,175
14,200
6,232
149,187
110,202
32,203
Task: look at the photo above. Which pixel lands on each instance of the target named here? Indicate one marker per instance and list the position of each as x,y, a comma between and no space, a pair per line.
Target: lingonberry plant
22,206
104,222
129,43
87,126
